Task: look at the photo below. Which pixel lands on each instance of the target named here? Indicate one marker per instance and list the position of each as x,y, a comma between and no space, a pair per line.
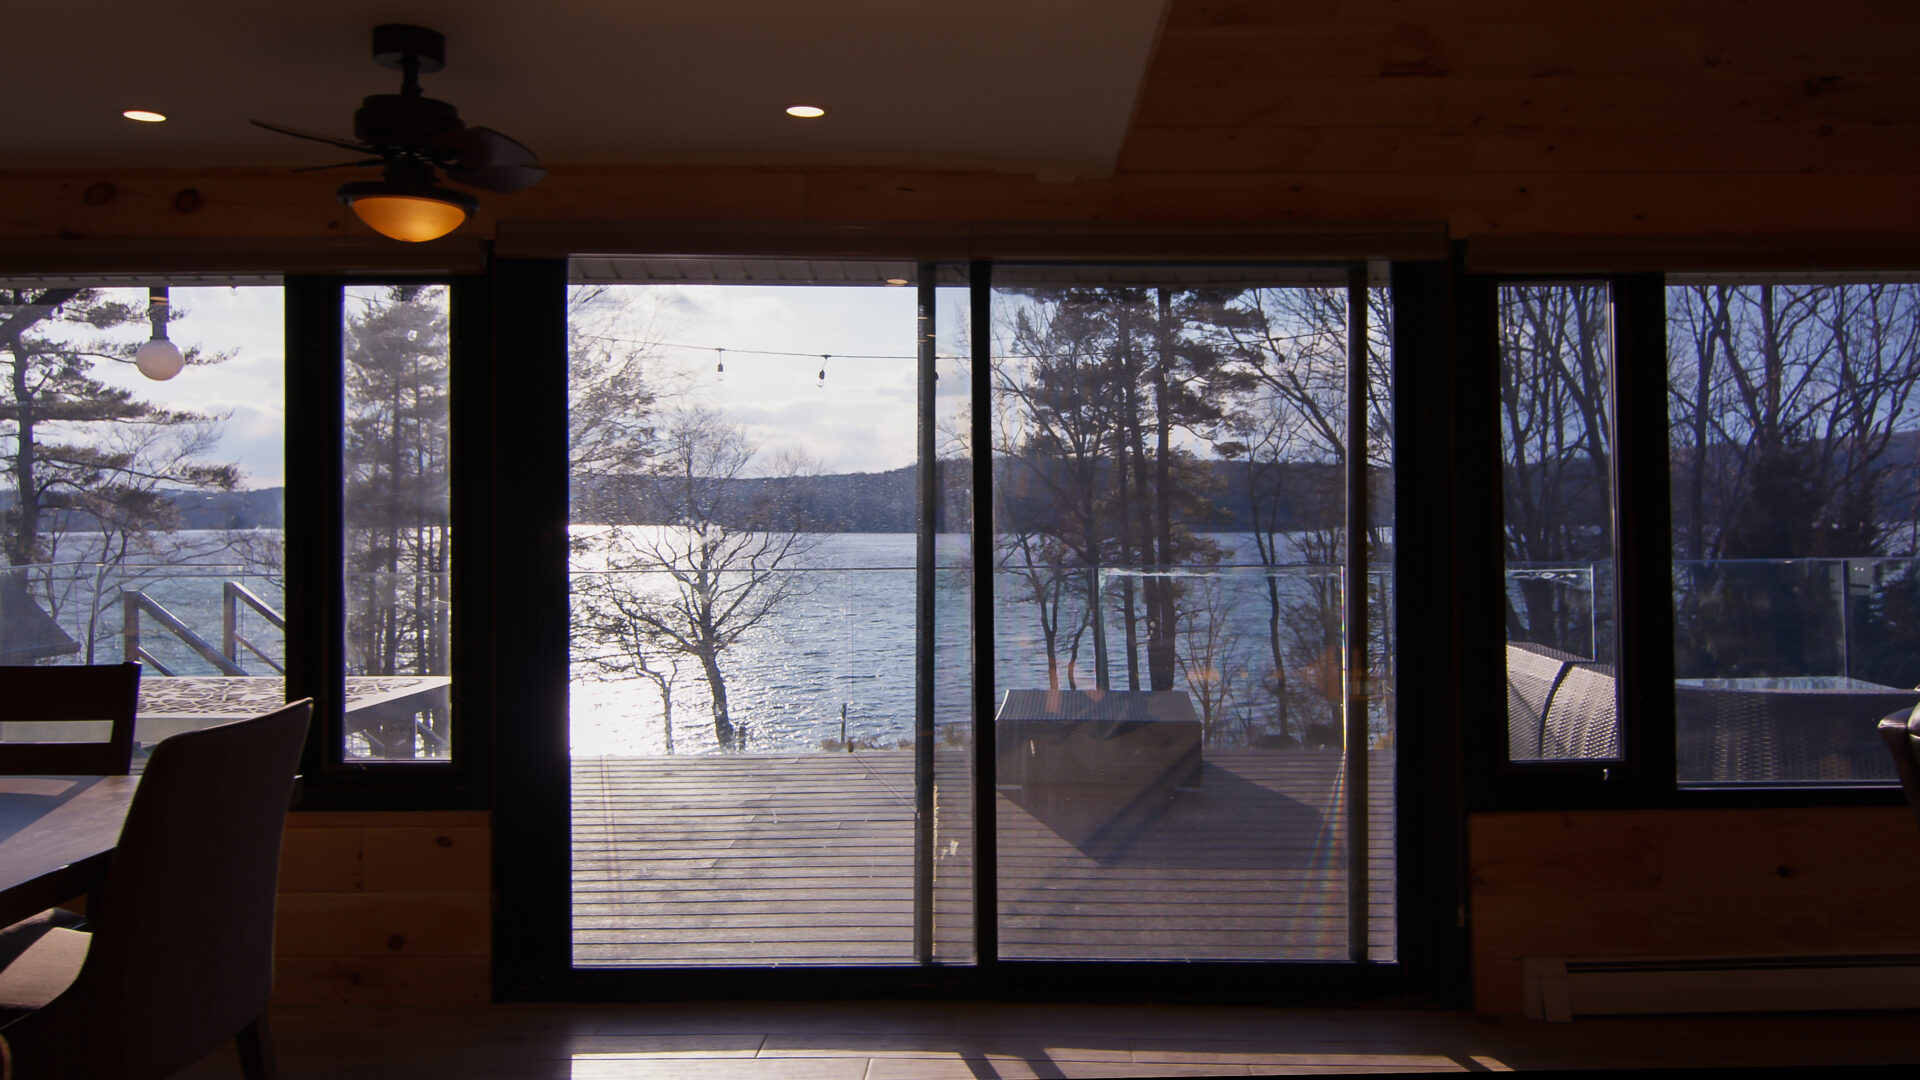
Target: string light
720,362
824,357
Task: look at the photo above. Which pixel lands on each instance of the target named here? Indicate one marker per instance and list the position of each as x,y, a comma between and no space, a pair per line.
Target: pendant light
158,359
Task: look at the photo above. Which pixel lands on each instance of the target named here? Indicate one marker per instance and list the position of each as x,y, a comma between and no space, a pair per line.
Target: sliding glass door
1194,728
751,710
788,608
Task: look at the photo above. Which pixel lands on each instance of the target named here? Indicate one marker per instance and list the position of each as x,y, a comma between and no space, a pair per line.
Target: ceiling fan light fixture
408,212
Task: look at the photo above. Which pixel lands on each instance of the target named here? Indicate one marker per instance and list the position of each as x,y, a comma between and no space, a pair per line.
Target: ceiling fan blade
344,144
342,165
483,148
501,178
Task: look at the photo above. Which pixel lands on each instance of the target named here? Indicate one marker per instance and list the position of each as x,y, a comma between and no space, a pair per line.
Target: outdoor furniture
1800,728
1901,734
1096,764
1559,706
46,714
179,953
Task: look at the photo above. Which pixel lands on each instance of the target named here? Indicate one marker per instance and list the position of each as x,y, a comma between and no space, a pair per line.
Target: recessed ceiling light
896,281
145,116
806,112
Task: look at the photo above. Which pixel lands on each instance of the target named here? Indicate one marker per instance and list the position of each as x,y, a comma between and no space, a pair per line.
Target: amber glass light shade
409,217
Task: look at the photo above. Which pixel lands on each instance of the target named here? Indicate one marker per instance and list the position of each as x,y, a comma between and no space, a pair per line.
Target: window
769,764
1181,720
1770,484
141,517
1796,522
1556,438
397,539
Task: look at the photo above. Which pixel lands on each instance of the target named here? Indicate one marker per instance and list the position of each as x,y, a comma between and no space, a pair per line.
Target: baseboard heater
1560,988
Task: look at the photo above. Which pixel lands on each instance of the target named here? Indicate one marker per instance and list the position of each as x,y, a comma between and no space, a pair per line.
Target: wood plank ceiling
1486,118
1575,115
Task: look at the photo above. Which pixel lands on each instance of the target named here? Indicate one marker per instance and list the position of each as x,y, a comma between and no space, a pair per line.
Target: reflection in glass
1556,437
1795,517
398,544
1170,618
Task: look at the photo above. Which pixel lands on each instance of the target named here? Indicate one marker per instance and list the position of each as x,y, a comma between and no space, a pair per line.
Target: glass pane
1795,521
744,608
140,517
1170,620
1556,438
398,546
953,631
1383,701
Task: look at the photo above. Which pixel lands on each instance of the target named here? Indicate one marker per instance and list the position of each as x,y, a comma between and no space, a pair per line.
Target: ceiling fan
411,136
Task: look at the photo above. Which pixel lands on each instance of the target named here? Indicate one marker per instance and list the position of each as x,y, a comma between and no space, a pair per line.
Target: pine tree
81,456
397,488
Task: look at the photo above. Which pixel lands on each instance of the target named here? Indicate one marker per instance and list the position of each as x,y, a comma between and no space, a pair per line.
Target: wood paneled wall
384,908
1687,883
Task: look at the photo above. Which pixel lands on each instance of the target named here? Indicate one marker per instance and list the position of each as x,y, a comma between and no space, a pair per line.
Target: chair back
1901,733
67,694
182,951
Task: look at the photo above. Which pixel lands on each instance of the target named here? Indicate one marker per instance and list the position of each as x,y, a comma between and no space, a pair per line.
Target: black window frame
315,547
1645,777
532,936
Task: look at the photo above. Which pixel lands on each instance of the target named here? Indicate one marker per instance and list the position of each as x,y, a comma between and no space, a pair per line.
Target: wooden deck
750,859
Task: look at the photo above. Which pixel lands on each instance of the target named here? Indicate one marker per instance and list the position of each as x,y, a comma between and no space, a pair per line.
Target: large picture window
141,499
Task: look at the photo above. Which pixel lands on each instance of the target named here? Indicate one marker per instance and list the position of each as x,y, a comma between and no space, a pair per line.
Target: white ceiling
1029,86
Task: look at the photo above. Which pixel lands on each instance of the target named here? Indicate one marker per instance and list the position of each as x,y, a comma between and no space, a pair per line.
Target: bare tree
711,559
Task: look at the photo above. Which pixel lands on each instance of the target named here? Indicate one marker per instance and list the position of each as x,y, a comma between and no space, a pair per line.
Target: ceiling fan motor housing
393,43
403,120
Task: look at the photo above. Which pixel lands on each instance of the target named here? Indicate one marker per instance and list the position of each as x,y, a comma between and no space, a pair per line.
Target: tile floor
872,1040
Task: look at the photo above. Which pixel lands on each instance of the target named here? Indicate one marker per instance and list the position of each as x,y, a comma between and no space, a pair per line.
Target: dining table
57,835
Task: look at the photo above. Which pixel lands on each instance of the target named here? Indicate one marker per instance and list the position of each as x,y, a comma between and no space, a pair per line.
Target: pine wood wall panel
1693,102
384,908
1686,883
1291,12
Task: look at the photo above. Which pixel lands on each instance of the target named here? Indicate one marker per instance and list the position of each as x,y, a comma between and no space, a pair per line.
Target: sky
859,419
248,389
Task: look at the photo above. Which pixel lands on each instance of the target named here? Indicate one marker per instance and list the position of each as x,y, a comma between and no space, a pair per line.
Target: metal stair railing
232,595
133,602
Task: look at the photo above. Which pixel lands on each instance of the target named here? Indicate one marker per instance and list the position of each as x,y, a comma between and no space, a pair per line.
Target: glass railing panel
1784,668
1205,820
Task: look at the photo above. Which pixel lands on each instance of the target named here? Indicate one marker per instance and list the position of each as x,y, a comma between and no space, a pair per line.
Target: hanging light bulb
720,363
824,357
158,359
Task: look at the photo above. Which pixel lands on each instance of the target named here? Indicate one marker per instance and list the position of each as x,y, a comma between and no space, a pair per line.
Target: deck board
761,859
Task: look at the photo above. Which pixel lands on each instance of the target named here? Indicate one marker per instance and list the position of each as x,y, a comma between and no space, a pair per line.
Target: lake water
844,647
841,647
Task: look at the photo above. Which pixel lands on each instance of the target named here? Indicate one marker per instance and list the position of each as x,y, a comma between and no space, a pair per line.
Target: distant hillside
262,508
1309,496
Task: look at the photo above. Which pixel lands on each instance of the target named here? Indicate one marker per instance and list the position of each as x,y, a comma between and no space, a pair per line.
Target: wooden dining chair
179,956
1901,733
66,694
